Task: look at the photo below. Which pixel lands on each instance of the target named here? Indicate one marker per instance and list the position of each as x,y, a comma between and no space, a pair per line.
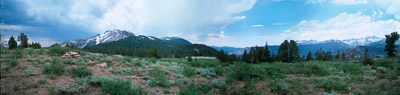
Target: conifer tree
283,52
309,56
294,52
343,56
390,46
337,56
12,44
154,52
24,40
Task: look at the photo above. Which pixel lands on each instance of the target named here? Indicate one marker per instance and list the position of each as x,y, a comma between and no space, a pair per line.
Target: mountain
373,43
115,35
126,43
108,36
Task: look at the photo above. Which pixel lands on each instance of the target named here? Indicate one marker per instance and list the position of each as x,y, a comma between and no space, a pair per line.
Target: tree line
12,43
288,52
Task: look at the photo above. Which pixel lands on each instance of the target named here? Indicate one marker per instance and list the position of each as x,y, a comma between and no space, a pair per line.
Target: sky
236,23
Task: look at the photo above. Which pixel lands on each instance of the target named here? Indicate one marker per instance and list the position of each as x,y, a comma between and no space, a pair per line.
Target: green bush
218,83
116,86
54,68
28,73
80,72
333,84
279,86
190,89
17,53
350,68
206,72
159,78
42,81
387,62
241,71
188,71
68,61
14,63
58,50
381,69
316,69
138,63
122,71
219,70
248,89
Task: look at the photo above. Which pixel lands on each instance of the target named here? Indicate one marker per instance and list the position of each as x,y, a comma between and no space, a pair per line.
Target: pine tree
283,52
309,56
390,46
343,56
245,57
337,56
294,52
12,44
24,40
267,53
190,59
154,52
367,60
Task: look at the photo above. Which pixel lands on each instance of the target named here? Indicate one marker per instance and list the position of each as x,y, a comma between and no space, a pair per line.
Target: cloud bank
343,26
192,19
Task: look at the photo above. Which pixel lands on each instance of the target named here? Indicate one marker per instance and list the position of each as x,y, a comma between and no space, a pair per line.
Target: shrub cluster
80,72
54,68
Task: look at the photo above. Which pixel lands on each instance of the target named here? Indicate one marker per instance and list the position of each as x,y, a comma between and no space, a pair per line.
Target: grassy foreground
45,72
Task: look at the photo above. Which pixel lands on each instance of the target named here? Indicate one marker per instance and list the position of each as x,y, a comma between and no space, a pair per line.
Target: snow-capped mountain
115,35
108,36
351,42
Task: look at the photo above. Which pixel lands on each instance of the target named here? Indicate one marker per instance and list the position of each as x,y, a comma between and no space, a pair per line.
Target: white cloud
281,23
377,14
391,6
147,17
349,2
341,2
257,26
343,26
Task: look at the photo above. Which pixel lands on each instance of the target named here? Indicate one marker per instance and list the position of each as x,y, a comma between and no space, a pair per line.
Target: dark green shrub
241,71
248,89
138,63
279,86
28,73
351,68
166,91
58,50
80,72
54,68
116,86
159,78
42,81
14,63
387,62
331,84
219,70
17,53
68,61
190,89
315,69
188,71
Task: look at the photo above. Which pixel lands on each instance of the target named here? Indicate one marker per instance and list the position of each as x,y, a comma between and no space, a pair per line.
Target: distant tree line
289,52
12,43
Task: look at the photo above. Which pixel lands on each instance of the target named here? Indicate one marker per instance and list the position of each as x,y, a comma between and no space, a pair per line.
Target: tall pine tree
24,40
12,44
390,46
309,56
283,52
294,52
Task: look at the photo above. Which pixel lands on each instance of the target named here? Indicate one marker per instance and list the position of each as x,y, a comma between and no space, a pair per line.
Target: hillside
141,44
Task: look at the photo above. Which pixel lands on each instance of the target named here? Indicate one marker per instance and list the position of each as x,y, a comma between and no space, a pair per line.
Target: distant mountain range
120,39
115,35
373,43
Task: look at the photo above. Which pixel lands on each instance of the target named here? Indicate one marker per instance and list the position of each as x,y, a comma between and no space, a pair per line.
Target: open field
45,72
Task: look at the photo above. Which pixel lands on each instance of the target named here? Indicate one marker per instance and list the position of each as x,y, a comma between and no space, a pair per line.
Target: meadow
46,72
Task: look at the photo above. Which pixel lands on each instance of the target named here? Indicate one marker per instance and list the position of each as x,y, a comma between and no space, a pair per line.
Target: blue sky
237,23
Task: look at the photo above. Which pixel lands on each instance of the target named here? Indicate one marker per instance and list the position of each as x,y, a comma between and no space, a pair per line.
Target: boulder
91,62
72,54
102,65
